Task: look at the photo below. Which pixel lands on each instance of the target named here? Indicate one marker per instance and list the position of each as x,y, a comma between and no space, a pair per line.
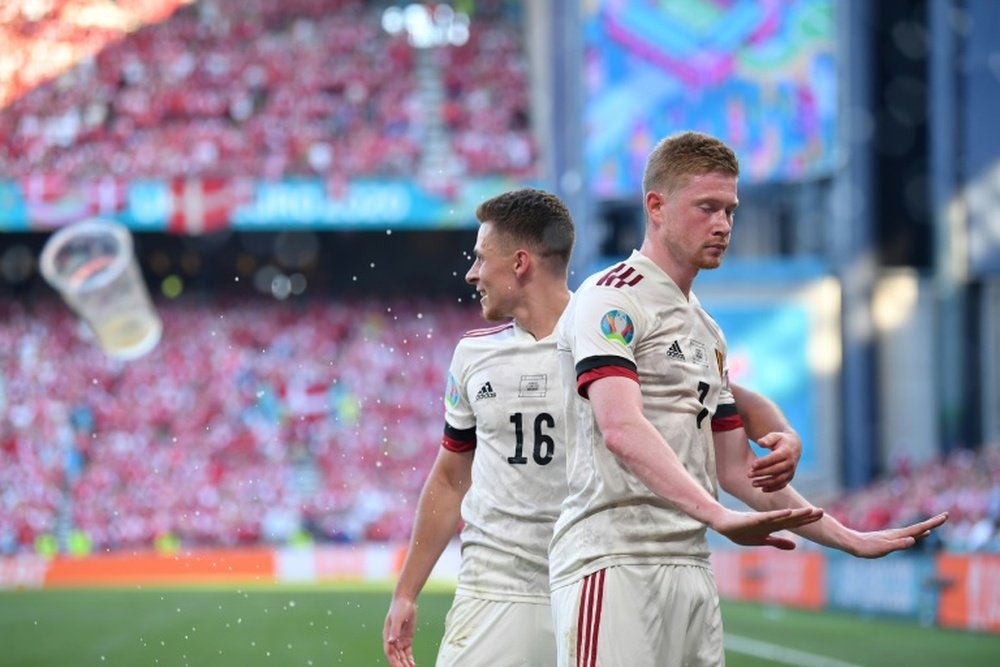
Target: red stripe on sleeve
584,380
727,423
459,446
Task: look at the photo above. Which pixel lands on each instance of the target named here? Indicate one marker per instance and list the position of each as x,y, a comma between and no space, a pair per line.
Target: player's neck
682,275
540,309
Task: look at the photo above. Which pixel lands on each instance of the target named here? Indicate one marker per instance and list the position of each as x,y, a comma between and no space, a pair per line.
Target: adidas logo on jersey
675,352
486,391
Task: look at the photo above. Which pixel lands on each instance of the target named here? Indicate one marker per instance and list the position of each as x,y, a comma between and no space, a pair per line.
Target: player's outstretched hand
775,470
754,529
397,635
880,543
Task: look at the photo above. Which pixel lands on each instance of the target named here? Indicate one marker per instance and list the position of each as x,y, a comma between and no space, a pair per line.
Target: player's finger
898,544
770,466
802,517
925,527
934,521
390,633
772,484
404,658
806,513
782,543
399,657
781,519
770,477
769,440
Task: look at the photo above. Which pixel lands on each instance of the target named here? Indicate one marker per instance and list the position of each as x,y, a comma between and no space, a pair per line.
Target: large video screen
760,74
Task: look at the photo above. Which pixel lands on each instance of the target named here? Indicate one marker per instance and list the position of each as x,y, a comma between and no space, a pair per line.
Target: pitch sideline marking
783,654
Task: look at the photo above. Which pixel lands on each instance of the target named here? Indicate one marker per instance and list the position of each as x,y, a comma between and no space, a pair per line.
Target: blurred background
300,178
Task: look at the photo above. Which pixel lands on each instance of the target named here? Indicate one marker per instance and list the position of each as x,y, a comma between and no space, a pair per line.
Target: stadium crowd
261,422
238,88
965,483
247,423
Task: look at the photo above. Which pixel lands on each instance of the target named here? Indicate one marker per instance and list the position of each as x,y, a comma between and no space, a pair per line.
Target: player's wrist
848,540
405,594
716,517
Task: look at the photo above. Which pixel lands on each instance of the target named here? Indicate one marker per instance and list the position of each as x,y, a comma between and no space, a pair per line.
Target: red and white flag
200,205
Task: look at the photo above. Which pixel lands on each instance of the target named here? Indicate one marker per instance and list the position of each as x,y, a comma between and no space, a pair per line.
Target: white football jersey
505,399
632,320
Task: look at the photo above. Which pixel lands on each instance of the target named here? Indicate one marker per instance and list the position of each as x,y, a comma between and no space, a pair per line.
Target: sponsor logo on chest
529,386
696,352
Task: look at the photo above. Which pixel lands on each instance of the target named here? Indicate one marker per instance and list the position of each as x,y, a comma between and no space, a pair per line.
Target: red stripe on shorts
588,624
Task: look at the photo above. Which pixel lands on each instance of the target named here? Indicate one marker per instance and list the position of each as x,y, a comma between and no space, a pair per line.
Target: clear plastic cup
92,265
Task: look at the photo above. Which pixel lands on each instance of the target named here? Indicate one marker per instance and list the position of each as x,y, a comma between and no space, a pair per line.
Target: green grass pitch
317,625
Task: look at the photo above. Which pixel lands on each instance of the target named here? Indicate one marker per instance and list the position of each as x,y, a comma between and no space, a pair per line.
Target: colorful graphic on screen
768,352
759,74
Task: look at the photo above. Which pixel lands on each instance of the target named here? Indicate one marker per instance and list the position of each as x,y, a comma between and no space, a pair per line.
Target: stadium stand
273,420
248,423
262,422
965,483
228,88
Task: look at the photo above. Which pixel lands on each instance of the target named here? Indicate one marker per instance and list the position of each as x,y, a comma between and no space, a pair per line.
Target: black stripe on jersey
726,418
725,410
600,361
460,434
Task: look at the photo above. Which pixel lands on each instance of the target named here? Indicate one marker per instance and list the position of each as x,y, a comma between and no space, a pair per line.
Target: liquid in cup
92,265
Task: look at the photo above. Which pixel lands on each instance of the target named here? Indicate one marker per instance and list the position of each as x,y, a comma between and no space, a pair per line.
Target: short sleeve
726,417
606,328
459,419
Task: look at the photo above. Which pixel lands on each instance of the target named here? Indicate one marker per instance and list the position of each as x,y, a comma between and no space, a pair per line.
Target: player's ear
654,202
522,262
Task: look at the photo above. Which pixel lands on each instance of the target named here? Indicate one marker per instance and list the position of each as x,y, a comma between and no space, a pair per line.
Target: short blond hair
686,154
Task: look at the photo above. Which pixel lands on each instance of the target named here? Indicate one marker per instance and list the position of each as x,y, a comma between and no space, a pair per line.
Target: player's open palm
880,543
397,635
755,529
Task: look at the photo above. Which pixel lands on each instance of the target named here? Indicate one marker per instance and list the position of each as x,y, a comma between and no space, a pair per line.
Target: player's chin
711,263
492,314
712,258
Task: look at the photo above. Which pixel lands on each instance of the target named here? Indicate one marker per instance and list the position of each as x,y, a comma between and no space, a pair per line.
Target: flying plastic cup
92,265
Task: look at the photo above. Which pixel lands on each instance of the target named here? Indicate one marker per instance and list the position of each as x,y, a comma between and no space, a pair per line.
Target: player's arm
437,518
733,455
768,427
617,406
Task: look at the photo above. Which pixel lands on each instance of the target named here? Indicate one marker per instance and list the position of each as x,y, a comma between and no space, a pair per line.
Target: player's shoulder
475,343
620,285
627,275
486,334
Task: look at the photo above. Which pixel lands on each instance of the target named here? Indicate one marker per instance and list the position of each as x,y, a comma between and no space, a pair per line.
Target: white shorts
497,634
640,616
